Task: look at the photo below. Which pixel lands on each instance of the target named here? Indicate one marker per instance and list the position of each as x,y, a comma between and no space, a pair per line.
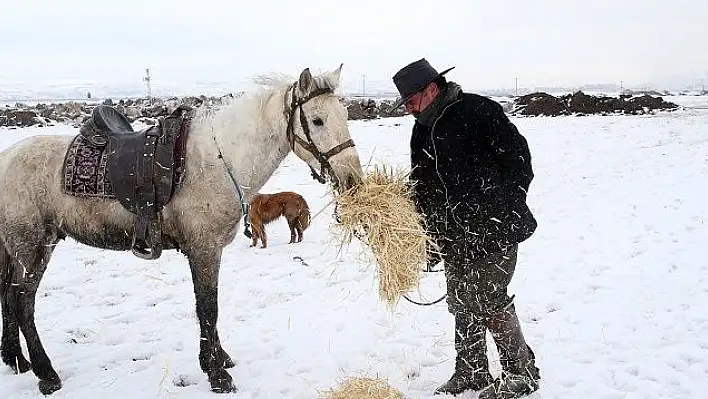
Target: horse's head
318,132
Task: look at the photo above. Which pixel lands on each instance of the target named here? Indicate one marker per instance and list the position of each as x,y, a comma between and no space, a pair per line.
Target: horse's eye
317,122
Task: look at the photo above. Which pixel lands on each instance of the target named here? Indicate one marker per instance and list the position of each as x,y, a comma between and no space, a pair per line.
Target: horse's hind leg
10,349
28,267
204,265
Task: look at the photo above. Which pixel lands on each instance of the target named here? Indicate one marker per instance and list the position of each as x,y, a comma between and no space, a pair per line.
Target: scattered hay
381,213
363,388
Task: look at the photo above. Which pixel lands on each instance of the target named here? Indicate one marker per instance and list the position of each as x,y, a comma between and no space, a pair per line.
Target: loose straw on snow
363,388
381,212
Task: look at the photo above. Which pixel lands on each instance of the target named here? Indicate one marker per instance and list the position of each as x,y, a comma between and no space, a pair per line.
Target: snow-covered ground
695,102
611,290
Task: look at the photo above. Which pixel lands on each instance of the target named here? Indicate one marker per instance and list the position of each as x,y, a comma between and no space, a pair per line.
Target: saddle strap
145,173
170,154
147,237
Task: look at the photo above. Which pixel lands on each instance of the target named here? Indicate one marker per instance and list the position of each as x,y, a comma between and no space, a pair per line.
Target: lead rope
244,205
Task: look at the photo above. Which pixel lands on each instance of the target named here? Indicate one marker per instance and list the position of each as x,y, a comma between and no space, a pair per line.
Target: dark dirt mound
579,103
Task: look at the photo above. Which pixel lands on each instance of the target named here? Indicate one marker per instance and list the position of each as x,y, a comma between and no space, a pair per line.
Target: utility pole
621,86
147,79
516,87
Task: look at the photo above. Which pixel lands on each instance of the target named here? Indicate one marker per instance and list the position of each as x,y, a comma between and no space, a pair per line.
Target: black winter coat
471,171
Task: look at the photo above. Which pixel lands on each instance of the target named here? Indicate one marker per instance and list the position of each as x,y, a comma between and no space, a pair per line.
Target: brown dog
265,208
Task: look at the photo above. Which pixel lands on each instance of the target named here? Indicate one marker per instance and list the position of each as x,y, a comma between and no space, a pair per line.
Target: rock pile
143,109
148,110
370,108
579,103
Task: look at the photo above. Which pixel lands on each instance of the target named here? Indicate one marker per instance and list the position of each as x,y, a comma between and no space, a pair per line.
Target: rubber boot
520,376
471,365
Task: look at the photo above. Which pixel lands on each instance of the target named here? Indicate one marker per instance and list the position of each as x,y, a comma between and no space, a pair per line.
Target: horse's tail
6,271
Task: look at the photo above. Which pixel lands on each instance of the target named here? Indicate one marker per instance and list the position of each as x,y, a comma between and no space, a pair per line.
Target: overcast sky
545,42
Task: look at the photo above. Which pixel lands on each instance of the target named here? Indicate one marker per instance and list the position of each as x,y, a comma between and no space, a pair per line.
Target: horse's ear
334,76
305,83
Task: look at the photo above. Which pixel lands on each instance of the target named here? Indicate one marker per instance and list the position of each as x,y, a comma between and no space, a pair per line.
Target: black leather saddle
142,166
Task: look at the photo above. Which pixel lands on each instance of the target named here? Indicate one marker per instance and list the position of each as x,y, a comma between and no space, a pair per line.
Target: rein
309,144
428,269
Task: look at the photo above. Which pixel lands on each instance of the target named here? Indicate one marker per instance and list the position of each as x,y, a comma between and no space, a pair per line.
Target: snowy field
612,290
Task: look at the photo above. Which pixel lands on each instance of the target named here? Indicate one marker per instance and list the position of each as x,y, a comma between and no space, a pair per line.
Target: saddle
143,167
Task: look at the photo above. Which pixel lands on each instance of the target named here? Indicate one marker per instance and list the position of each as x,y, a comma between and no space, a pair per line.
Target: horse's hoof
48,387
17,363
23,365
228,363
221,381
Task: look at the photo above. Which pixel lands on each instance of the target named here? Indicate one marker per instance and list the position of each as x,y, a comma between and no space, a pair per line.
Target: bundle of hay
363,388
382,214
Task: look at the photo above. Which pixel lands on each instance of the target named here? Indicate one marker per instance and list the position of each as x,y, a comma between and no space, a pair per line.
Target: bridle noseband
309,145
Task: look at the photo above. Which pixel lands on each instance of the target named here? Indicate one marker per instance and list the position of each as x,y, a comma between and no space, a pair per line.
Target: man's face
422,99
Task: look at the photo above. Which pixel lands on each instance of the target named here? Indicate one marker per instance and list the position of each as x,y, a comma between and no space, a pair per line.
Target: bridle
309,145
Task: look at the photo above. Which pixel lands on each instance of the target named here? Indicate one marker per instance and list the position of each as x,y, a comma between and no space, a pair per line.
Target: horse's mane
273,80
251,104
278,80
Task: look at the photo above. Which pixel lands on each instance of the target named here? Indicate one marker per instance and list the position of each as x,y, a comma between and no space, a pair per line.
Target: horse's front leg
212,357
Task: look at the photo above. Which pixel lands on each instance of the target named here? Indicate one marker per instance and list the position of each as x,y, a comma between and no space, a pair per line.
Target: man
471,169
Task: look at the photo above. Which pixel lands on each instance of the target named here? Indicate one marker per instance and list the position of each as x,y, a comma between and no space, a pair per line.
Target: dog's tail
304,216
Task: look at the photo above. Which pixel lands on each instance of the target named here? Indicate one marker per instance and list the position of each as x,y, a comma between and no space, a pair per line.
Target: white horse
254,134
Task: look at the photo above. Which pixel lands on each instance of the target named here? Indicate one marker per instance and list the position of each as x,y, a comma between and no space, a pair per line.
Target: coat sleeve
511,152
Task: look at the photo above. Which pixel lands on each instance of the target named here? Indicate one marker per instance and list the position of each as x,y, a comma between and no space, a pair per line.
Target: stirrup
144,229
146,253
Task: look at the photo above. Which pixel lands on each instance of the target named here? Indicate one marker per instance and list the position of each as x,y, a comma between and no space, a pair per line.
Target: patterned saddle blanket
85,172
